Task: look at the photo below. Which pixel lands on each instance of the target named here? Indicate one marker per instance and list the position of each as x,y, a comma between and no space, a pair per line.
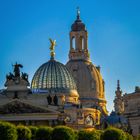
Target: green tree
33,131
138,137
113,134
128,136
63,133
7,131
89,135
76,134
44,133
24,133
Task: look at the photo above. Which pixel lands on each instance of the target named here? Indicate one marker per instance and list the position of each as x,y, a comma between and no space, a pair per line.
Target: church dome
88,78
53,77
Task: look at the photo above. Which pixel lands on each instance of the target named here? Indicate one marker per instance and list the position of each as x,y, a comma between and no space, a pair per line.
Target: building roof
53,77
78,25
114,119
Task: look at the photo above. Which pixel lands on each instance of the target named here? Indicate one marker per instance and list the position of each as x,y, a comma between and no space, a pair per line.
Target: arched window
81,43
93,85
73,43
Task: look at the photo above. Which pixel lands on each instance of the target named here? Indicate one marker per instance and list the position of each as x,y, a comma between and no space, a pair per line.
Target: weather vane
52,47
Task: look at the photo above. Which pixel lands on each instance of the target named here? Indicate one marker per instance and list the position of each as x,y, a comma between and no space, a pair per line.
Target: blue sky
113,37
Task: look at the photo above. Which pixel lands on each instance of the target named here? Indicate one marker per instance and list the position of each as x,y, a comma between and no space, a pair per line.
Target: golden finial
52,47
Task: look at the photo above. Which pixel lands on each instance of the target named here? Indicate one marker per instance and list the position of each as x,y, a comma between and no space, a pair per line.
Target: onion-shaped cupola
53,77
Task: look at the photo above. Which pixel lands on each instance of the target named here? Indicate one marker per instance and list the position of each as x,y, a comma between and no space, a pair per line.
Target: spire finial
118,84
78,13
52,47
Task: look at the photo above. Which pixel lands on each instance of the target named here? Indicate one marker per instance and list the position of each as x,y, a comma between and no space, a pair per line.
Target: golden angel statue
53,44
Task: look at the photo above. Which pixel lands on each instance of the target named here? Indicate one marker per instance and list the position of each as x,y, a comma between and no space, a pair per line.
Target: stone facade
132,110
128,105
20,106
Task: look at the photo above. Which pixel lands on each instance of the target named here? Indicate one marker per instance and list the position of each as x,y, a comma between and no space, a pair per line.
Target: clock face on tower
89,120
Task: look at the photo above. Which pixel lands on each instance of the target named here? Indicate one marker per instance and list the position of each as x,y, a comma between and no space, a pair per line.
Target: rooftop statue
17,76
17,69
10,76
53,44
24,76
52,47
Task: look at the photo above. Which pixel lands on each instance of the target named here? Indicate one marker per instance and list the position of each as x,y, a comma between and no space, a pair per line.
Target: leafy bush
7,131
33,132
113,134
138,137
44,133
63,133
10,132
88,135
128,136
100,132
76,134
24,133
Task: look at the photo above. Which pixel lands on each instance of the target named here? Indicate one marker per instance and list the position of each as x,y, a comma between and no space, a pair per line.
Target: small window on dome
93,84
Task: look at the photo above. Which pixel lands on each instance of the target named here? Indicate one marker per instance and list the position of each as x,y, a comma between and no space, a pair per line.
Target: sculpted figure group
16,73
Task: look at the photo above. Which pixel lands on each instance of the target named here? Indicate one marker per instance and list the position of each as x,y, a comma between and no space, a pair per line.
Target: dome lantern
78,40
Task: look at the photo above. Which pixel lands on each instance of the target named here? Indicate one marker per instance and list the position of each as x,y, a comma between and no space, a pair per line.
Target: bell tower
78,40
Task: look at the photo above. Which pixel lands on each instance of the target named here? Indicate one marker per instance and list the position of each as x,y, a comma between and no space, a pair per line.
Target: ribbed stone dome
53,77
89,80
90,84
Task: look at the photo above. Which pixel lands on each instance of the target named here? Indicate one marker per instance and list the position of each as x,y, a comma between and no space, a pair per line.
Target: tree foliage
113,134
7,131
44,133
138,137
24,133
63,133
128,136
89,135
33,132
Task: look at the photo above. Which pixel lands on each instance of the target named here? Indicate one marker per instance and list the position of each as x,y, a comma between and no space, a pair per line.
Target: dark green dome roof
52,77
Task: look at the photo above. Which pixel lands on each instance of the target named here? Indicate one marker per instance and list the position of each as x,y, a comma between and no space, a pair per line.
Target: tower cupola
78,40
78,25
